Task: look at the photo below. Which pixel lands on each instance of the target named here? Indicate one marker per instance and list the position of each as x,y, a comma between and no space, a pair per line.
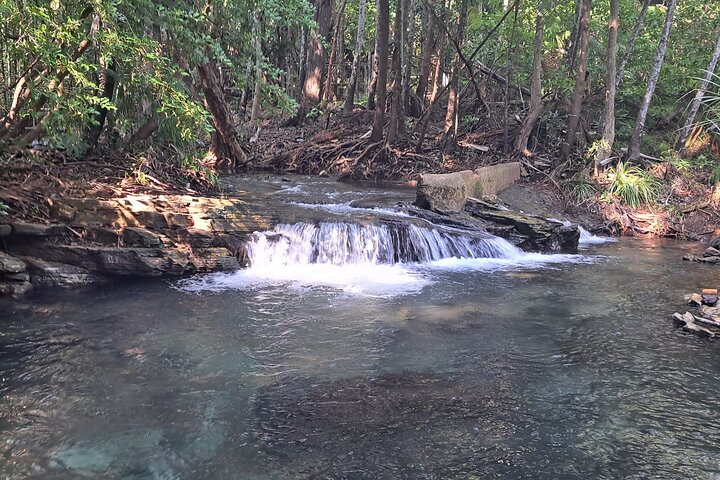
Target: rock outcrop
133,236
529,232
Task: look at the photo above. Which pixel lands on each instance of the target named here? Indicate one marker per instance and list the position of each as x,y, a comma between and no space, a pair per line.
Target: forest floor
339,147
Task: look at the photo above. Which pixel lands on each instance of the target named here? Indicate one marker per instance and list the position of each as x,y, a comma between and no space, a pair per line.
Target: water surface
561,370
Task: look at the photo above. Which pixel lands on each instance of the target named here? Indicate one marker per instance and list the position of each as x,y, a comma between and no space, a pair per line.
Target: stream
364,345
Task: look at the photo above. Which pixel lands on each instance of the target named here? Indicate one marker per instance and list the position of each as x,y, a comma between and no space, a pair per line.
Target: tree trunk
302,71
579,92
396,106
255,110
439,66
316,58
631,44
359,41
451,114
426,61
574,37
608,136
409,53
372,86
695,104
383,37
332,58
107,84
636,139
535,89
225,147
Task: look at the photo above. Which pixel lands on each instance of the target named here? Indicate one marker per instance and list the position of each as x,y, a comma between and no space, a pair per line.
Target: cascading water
382,258
352,244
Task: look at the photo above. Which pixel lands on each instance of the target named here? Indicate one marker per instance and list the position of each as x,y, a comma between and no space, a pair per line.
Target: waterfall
352,244
379,259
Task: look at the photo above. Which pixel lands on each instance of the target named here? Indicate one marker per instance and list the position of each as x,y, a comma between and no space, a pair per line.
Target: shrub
632,185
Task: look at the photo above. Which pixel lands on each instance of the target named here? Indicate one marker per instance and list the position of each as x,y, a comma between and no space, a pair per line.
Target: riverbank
81,240
72,223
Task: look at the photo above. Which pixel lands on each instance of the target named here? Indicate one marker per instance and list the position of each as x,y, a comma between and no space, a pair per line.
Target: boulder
715,242
446,192
530,232
711,252
5,230
494,178
10,264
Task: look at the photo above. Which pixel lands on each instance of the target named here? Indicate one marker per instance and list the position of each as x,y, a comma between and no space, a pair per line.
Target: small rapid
351,244
382,259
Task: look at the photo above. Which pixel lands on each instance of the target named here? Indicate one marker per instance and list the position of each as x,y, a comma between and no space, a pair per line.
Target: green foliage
4,209
631,184
153,47
583,190
715,175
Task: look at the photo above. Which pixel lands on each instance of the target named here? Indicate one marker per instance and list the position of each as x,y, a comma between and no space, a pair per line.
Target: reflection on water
563,370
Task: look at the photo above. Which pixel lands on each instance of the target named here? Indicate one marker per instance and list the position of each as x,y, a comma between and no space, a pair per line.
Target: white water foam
374,260
586,238
345,207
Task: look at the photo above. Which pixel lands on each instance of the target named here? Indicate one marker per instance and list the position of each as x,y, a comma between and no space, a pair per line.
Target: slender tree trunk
426,61
608,136
225,146
695,104
631,44
359,41
107,84
302,71
636,139
330,77
372,86
383,37
396,106
316,59
255,110
535,89
439,66
579,92
409,53
451,114
574,37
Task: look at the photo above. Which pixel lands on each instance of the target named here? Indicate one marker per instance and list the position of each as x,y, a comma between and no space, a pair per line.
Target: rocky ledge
457,195
134,236
92,240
